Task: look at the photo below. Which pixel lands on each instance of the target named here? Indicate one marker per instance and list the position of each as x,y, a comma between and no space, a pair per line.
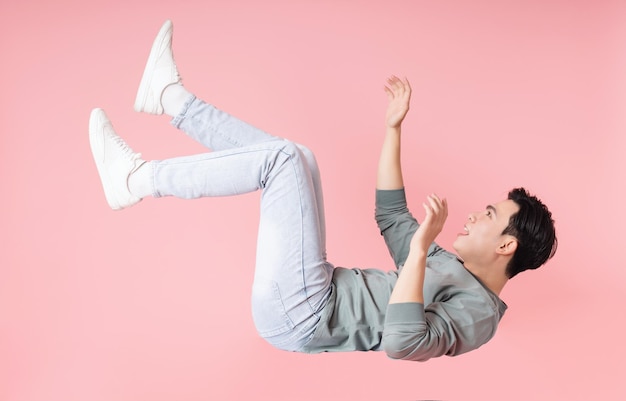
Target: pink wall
152,303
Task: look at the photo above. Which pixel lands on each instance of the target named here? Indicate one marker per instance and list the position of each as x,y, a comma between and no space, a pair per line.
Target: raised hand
436,215
399,95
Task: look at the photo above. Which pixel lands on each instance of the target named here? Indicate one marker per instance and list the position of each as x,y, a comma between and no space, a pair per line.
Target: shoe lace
125,149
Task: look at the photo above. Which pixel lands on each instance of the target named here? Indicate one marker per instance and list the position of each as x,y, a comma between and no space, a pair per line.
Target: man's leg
161,91
292,277
216,129
219,131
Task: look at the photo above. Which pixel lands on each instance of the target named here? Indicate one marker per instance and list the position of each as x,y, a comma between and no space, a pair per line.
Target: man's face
482,234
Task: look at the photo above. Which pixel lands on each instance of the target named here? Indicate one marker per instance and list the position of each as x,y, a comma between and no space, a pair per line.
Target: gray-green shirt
459,313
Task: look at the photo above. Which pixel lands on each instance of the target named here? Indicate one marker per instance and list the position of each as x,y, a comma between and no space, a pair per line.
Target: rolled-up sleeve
396,224
415,333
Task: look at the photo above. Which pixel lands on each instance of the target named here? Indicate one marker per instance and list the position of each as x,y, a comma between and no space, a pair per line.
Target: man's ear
508,246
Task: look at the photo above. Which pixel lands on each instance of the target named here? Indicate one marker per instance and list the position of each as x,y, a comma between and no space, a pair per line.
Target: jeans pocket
268,310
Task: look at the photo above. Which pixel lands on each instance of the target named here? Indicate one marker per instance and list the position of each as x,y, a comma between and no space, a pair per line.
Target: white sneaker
159,73
115,160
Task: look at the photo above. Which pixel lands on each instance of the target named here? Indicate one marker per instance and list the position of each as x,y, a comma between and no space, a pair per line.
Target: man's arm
461,324
389,168
410,285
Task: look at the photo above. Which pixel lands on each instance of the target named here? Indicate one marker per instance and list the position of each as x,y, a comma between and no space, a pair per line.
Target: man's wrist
416,254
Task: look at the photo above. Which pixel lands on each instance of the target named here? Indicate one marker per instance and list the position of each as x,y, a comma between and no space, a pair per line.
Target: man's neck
491,277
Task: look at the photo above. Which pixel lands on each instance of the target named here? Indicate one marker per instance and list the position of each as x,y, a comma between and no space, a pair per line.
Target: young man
435,304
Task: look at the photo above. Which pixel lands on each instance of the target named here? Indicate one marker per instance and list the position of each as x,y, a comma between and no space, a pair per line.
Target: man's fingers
389,92
435,202
407,84
397,85
437,207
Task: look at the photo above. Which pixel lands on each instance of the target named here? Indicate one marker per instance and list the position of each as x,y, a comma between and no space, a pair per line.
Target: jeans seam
178,120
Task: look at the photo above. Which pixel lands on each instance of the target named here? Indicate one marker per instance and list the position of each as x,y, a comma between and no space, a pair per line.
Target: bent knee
298,150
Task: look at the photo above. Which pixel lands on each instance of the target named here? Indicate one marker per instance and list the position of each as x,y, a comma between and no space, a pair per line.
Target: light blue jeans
292,279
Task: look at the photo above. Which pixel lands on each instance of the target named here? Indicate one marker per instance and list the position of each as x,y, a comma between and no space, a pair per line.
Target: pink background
152,303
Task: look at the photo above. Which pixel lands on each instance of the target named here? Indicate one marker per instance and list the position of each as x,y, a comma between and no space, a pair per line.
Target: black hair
533,227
